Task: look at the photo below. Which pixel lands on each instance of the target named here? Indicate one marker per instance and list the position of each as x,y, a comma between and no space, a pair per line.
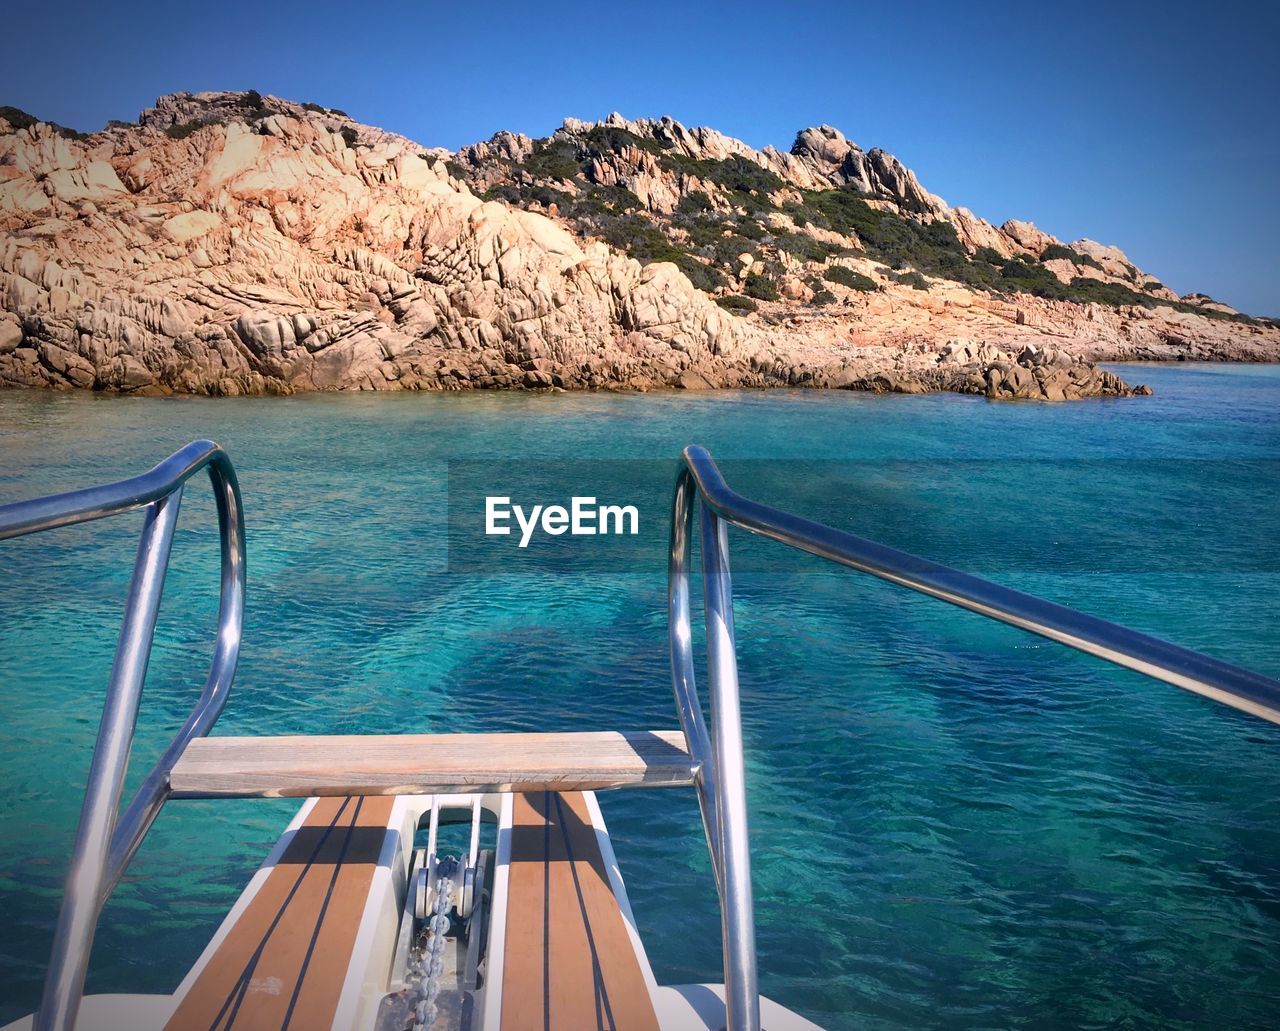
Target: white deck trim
700,1007
619,889
491,997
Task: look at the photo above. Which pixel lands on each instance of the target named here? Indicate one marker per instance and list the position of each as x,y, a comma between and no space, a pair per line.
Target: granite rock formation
234,244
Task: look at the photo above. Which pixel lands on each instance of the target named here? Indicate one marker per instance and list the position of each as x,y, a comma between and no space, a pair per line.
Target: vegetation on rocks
21,119
248,107
609,139
725,208
847,277
910,278
737,303
1060,251
761,288
185,129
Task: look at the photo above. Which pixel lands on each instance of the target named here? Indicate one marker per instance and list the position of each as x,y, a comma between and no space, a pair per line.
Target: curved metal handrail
718,757
83,506
1226,683
104,845
718,762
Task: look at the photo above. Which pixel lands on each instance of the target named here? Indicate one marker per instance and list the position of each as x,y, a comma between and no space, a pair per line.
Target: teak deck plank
569,961
284,961
369,764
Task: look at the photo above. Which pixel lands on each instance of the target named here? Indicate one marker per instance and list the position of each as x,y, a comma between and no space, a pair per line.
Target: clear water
954,824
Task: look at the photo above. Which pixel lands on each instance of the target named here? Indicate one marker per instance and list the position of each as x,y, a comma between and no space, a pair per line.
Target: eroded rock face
276,255
233,244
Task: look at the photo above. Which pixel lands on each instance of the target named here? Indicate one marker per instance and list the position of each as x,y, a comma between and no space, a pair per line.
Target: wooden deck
368,764
568,961
566,957
284,961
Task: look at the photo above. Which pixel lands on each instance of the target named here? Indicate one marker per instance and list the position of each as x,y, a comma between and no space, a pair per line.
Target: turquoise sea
954,824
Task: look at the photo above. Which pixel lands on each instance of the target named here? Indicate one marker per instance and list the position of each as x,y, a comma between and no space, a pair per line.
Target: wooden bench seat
283,962
569,961
424,764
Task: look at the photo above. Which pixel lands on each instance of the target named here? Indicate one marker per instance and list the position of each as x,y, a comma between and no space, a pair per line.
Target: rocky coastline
230,244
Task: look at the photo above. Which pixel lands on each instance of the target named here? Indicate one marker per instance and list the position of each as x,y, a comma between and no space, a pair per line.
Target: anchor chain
426,968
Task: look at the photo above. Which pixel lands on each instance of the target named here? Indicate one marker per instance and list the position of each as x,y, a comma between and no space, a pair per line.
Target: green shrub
709,233
729,249
805,247
504,192
823,296
704,277
20,119
911,278
749,183
610,199
737,303
893,239
251,100
349,135
594,205
847,277
181,132
546,196
743,176
613,140
553,159
694,203
17,117
761,288
1113,294
645,242
316,108
1058,252
708,239
1029,277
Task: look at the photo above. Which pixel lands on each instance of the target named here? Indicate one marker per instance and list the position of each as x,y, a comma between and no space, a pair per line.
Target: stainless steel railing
106,842
718,755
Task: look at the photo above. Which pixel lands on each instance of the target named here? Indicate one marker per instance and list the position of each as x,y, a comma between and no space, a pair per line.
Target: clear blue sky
1155,127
